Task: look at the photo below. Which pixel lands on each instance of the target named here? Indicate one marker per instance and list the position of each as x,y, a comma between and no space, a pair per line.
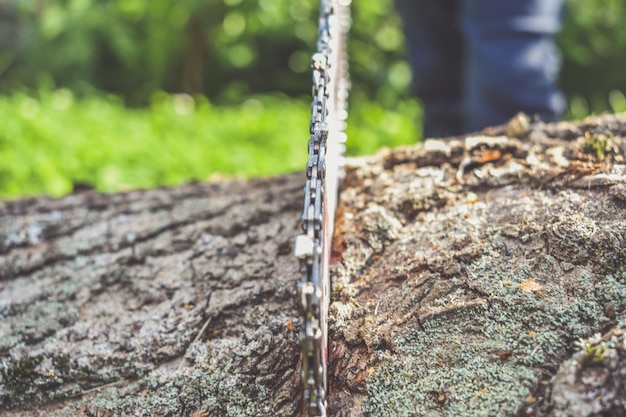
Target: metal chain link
323,171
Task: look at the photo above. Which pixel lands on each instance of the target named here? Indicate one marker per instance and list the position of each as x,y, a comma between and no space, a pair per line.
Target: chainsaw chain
323,172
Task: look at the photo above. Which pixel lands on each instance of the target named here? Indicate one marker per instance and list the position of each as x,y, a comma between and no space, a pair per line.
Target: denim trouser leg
435,52
512,63
478,62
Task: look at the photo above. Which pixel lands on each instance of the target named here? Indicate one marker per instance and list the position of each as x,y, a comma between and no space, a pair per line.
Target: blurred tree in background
83,85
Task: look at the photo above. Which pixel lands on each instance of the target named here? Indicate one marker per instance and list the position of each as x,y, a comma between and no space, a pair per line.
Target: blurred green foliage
224,49
84,82
52,142
593,43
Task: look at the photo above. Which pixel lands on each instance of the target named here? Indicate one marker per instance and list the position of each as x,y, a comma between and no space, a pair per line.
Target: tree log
470,277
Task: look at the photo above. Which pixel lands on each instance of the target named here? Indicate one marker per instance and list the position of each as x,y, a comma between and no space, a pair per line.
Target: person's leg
434,47
512,62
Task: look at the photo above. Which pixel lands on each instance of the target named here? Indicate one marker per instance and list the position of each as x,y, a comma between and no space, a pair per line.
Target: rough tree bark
466,273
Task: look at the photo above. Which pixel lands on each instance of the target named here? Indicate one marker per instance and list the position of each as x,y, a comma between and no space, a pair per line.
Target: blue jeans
476,63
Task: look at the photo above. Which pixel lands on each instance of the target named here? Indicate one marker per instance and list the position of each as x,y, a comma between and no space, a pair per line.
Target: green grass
52,141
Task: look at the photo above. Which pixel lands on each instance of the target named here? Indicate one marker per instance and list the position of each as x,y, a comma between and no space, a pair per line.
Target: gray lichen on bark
593,381
469,268
465,272
166,302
